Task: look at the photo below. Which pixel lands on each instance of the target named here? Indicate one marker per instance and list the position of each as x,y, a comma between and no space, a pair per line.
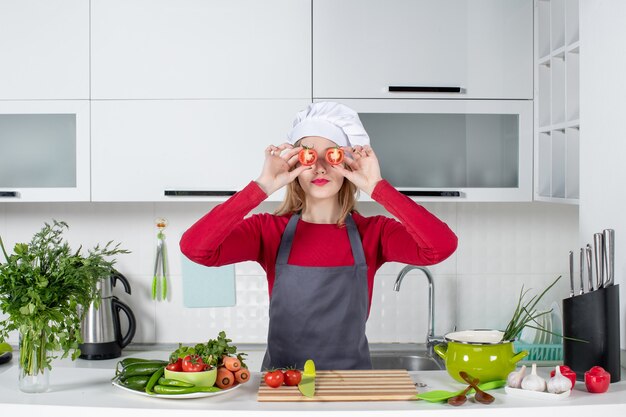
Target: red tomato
566,372
176,366
292,377
193,363
307,156
274,379
597,380
334,156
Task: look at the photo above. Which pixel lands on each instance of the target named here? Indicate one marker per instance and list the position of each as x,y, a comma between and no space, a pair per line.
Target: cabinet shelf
557,101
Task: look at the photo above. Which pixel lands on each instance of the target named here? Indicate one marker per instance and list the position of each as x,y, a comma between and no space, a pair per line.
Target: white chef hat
333,121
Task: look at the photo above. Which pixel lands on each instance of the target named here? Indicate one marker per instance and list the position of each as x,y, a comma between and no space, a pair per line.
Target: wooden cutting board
353,385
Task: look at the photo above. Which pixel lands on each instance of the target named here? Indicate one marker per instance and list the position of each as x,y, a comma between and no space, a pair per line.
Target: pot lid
476,337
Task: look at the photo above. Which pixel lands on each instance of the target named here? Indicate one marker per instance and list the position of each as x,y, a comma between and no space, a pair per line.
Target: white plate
557,322
178,396
524,393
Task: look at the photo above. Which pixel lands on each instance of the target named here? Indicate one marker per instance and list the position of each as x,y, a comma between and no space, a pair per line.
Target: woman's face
321,181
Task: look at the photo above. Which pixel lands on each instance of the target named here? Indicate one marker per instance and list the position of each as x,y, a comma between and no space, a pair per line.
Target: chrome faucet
431,340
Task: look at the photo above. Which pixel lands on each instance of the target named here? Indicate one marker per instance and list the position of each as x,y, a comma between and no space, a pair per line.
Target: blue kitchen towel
205,286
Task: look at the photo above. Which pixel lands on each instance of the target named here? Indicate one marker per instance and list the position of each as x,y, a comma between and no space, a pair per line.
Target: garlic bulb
559,383
514,380
534,382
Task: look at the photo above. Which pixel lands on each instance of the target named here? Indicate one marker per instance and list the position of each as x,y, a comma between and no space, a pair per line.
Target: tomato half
334,156
307,156
274,379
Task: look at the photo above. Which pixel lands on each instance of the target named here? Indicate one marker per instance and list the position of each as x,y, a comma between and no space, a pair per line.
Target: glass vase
33,361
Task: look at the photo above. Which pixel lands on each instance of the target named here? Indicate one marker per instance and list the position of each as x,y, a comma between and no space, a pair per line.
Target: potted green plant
45,289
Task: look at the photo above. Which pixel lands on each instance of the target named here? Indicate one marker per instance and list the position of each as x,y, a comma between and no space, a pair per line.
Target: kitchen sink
410,362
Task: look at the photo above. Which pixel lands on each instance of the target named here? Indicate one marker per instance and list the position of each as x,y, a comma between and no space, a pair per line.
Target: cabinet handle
9,194
422,89
431,193
198,193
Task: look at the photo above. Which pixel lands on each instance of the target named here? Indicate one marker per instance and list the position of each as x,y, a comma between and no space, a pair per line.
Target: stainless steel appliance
101,330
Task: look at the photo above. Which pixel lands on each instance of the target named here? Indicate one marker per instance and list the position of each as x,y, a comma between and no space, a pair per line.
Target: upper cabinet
183,150
190,49
44,145
557,103
423,49
44,49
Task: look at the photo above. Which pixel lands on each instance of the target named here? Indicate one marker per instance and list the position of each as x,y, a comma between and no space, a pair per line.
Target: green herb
211,352
525,314
45,290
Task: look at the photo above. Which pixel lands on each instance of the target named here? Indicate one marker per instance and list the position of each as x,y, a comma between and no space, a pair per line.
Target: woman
320,255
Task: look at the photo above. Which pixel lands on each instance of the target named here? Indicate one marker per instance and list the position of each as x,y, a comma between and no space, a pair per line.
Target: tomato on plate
307,156
193,363
274,378
334,156
292,377
175,366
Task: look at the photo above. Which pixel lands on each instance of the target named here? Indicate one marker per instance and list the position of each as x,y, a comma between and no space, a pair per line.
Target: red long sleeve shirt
224,236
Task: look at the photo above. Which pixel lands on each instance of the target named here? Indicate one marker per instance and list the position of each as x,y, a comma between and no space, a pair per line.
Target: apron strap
290,230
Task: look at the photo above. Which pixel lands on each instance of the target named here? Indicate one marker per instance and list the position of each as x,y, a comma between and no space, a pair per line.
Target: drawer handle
431,193
9,194
198,193
422,89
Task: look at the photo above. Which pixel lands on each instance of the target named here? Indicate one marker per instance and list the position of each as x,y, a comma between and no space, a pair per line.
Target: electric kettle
100,328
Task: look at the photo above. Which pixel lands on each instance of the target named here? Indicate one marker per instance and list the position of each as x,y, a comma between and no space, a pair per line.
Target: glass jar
33,361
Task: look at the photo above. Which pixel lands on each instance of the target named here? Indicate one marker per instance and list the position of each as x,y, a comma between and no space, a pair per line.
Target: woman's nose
319,167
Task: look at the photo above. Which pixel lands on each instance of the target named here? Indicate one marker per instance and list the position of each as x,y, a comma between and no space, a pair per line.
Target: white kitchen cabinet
190,49
557,104
452,150
44,147
361,48
44,49
143,148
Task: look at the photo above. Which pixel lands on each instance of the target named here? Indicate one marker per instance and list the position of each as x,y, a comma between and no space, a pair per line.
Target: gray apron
318,313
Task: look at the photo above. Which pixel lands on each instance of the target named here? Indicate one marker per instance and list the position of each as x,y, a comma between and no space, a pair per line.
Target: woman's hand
276,173
365,172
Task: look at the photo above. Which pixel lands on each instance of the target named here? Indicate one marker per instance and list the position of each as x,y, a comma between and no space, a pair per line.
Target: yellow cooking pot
481,353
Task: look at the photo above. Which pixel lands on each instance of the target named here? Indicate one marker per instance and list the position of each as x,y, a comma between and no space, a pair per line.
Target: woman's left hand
365,172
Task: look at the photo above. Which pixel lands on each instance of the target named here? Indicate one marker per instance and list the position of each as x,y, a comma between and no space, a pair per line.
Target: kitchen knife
589,268
582,271
609,255
307,384
571,273
598,246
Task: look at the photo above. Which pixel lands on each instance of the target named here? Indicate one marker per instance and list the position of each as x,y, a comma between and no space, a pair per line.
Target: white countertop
83,389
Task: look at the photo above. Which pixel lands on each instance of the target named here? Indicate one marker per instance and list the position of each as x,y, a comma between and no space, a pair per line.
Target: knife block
593,317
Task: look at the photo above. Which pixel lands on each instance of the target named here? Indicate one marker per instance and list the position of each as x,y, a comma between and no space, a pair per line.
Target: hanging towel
205,286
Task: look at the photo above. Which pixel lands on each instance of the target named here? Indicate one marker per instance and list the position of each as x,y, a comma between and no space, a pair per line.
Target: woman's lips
320,181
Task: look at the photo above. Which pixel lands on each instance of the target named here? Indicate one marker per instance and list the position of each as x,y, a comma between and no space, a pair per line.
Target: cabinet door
44,48
44,150
184,49
433,149
362,47
142,148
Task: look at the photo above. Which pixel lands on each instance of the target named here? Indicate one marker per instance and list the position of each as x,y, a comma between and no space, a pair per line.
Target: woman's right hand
277,168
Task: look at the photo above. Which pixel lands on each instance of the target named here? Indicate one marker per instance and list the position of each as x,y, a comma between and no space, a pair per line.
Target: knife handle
582,271
598,246
571,273
589,267
609,255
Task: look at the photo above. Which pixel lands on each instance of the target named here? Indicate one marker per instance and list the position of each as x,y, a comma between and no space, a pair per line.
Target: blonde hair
295,199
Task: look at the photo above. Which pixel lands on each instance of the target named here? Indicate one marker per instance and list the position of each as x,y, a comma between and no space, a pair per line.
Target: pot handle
519,356
441,350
